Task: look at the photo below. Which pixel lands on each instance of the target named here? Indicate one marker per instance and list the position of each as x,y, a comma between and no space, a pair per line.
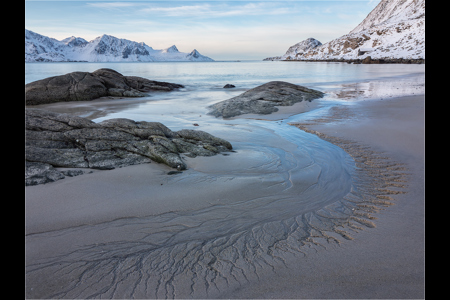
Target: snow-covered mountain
42,48
74,41
105,48
394,29
392,11
297,49
302,47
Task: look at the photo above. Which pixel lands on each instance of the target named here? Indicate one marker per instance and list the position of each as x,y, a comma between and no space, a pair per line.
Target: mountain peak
194,53
74,41
302,47
196,56
171,49
104,38
103,48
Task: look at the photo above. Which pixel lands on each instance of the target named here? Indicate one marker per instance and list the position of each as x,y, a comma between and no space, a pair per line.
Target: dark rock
61,140
111,78
195,136
85,86
39,173
385,60
229,86
75,86
367,60
145,85
69,158
263,99
72,173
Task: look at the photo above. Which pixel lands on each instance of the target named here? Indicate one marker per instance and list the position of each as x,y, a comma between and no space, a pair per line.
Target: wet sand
386,262
100,234
137,232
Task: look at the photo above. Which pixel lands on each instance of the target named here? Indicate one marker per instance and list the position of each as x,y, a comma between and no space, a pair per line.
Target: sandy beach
268,167
231,227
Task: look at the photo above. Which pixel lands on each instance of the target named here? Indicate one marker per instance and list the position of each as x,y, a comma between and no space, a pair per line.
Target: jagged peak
74,41
32,34
102,48
303,46
194,53
171,49
104,37
309,42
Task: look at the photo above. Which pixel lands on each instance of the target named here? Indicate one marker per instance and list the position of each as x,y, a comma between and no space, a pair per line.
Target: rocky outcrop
85,86
61,140
366,60
263,99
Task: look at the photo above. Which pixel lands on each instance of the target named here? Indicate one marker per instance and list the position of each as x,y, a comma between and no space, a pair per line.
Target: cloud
178,11
111,4
213,10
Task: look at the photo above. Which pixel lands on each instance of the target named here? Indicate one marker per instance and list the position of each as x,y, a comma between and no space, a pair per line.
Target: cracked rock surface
61,140
85,86
263,99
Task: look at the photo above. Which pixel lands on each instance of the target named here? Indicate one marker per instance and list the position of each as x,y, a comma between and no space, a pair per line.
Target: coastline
367,60
344,269
383,262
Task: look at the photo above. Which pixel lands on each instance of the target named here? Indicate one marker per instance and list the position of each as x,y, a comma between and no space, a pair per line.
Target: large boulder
264,99
60,140
85,86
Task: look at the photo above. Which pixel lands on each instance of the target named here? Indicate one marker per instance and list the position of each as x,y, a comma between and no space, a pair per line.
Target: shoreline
93,202
367,60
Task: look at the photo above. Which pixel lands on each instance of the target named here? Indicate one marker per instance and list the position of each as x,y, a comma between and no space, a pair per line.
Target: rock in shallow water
62,140
85,86
263,99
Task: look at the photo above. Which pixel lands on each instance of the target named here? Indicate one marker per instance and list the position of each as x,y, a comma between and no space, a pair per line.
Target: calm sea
204,83
245,74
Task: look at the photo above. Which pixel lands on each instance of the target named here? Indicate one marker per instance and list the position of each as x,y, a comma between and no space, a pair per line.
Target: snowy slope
105,48
74,41
297,49
39,47
301,48
394,29
392,11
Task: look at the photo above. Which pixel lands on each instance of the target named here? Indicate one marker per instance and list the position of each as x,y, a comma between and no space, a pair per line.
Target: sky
222,30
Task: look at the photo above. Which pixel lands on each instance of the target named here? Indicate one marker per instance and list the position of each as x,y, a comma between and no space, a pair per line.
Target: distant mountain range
394,29
105,48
